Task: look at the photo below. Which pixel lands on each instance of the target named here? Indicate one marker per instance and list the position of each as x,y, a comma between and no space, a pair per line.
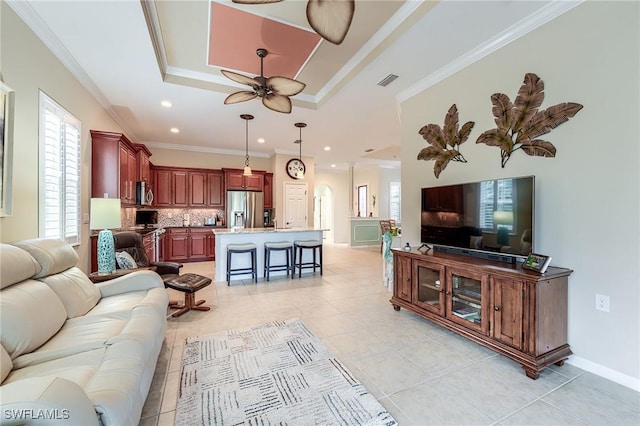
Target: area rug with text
274,373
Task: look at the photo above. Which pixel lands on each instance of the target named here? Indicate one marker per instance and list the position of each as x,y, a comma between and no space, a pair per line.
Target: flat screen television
492,219
146,217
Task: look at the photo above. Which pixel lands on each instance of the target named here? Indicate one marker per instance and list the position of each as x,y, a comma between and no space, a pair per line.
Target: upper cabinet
182,187
115,166
236,181
144,164
268,190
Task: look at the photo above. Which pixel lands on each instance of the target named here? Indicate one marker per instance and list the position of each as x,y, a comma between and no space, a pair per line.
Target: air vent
368,150
387,80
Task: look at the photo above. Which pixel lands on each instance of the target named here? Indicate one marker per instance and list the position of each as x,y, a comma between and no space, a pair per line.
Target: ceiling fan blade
285,86
239,78
255,1
278,103
331,19
234,98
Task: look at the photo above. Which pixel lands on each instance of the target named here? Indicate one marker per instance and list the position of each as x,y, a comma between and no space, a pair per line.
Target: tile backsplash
174,217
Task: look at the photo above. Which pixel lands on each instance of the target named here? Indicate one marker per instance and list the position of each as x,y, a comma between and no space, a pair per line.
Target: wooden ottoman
189,284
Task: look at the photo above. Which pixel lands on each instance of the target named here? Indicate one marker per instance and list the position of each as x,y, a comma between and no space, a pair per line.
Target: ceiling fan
331,19
274,91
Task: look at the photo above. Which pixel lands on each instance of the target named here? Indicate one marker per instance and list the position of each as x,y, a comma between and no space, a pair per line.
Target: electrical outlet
602,302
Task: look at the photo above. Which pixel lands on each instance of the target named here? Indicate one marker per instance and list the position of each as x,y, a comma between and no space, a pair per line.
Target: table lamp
105,215
503,219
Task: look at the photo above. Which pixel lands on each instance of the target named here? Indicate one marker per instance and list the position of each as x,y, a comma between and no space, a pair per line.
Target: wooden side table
98,278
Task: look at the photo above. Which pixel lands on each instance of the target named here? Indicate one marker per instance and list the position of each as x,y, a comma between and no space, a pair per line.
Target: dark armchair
131,242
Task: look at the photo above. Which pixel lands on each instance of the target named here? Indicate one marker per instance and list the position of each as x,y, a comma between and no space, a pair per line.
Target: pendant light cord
246,161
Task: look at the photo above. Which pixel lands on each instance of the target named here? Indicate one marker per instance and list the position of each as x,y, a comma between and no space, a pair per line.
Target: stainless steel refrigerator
245,209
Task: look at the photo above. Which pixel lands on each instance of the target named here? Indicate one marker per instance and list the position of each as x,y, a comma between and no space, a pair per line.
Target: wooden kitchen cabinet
144,163
114,166
268,190
189,244
236,181
186,187
518,313
171,187
215,190
197,189
176,245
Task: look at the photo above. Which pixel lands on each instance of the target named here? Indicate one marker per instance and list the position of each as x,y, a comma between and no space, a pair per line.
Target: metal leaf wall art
519,124
444,143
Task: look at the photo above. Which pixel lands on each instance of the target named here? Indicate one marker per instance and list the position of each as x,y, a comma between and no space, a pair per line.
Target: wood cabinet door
197,189
148,242
215,189
467,298
254,182
402,277
429,286
198,245
176,246
180,185
132,177
162,193
268,190
105,165
234,181
124,175
211,249
508,297
144,167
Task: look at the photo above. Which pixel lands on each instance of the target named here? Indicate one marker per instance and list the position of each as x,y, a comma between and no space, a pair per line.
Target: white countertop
227,231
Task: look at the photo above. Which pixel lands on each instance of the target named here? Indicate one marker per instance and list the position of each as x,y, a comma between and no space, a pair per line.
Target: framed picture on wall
6,149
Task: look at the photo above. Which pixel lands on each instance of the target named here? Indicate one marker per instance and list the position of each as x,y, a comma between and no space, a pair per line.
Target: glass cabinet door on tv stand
467,297
430,284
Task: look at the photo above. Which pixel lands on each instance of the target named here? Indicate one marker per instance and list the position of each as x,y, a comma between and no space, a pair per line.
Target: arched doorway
323,210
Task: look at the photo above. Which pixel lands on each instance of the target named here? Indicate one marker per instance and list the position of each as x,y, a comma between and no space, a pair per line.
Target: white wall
588,196
28,66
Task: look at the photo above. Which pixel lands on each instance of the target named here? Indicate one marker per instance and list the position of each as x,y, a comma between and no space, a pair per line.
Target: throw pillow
125,261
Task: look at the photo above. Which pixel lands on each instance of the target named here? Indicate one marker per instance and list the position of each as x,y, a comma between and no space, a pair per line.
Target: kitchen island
258,236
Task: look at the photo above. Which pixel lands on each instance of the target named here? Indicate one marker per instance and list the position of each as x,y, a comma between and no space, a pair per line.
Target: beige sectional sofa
72,351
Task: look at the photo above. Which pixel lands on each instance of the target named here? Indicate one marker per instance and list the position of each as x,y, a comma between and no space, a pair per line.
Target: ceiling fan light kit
331,19
247,168
274,91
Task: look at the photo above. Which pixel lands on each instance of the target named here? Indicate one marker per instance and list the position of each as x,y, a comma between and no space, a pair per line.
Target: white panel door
295,205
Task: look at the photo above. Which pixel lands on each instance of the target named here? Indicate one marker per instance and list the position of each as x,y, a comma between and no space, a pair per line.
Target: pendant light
300,172
246,118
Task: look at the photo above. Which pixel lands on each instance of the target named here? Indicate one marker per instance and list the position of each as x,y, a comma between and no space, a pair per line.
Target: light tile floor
422,373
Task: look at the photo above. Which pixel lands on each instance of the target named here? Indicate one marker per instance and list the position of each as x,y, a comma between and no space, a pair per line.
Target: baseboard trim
606,372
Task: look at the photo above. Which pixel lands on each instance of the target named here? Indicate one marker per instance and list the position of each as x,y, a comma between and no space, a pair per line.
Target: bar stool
298,247
285,246
242,248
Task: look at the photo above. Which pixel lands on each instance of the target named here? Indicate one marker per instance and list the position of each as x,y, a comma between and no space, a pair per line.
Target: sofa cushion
53,255
77,293
16,265
30,314
5,364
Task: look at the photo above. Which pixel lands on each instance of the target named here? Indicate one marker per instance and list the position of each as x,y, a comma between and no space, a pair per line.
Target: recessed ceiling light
327,148
333,165
166,104
175,130
260,140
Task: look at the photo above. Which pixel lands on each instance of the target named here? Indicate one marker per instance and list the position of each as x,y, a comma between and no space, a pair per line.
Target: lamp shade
503,218
247,171
105,213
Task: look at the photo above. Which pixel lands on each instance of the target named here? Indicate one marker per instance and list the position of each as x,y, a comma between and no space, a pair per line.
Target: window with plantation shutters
59,172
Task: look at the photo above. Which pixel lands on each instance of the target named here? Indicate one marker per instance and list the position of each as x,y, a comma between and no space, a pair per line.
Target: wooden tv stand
519,314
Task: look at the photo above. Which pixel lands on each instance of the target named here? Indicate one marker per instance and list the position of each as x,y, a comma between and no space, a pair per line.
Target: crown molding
519,29
205,149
